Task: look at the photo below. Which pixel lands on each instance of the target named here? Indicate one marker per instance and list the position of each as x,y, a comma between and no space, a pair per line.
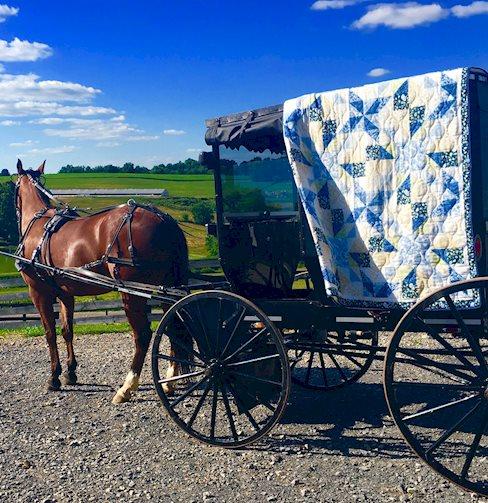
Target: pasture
177,185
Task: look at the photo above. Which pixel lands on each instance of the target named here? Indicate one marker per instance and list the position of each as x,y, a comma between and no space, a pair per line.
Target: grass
177,185
88,329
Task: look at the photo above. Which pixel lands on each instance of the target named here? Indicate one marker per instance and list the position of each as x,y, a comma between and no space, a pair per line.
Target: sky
99,82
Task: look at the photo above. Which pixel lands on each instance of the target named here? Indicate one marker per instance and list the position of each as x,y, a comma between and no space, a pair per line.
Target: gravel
74,445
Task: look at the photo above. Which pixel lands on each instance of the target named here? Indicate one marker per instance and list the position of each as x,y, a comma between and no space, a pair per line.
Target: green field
176,185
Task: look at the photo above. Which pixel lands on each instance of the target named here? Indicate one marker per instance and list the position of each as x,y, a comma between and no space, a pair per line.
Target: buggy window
257,185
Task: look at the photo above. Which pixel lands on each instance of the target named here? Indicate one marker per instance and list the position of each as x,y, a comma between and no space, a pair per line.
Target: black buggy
271,322
239,341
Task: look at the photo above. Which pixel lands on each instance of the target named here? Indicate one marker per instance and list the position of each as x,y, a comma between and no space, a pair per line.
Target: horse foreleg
67,311
44,303
135,309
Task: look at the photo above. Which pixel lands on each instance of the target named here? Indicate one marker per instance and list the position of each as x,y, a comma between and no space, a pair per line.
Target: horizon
139,88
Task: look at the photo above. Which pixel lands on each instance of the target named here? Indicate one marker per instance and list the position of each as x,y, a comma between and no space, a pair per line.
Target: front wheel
436,383
220,368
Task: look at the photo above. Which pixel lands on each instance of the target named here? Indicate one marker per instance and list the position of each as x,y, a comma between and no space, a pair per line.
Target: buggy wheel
436,383
327,361
232,376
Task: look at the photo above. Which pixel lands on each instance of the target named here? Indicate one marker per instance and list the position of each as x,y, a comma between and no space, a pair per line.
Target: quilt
383,172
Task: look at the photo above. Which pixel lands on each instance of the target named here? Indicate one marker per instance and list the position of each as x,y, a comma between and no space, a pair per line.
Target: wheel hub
214,369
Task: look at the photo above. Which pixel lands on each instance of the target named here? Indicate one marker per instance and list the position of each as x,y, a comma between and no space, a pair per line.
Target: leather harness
41,253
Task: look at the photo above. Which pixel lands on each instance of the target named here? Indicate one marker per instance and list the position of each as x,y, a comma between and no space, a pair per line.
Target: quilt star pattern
383,172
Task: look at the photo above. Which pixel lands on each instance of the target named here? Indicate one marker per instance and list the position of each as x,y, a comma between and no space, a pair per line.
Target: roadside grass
87,329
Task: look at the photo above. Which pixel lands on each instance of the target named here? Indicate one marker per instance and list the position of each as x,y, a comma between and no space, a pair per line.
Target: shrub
185,217
8,217
212,246
202,212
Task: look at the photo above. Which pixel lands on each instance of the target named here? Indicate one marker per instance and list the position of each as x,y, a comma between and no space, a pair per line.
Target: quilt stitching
384,175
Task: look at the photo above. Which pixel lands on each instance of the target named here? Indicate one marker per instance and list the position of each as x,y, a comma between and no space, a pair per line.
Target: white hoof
169,389
124,393
121,397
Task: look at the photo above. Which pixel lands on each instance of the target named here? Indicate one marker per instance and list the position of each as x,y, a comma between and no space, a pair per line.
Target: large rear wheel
436,383
220,368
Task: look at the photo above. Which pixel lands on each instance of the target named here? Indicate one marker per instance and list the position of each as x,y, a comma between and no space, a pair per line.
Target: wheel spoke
467,333
309,368
474,446
259,379
214,409
179,360
188,392
246,344
234,330
188,315
243,407
229,412
322,365
204,329
447,433
200,403
451,349
428,362
298,358
174,340
338,367
181,376
245,362
439,407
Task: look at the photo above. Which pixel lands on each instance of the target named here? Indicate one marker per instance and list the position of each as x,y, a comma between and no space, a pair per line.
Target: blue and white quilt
383,171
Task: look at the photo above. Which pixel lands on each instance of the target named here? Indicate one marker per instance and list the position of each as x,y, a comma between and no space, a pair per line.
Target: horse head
30,194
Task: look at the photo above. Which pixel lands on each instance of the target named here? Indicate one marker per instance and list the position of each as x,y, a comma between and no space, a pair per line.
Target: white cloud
472,9
115,128
333,4
6,11
401,16
194,150
30,87
26,143
377,72
108,144
65,149
30,108
23,50
9,123
174,132
143,138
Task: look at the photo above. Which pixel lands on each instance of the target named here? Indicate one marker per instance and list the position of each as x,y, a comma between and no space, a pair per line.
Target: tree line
188,167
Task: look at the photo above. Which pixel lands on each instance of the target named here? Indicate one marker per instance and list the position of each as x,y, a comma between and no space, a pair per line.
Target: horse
129,242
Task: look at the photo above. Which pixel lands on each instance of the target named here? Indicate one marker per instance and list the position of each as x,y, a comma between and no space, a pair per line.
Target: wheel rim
436,386
235,375
330,360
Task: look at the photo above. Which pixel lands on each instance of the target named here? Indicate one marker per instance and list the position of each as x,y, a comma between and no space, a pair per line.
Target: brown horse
105,243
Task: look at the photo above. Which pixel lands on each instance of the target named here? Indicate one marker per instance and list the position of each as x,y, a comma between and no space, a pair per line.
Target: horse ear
20,169
41,168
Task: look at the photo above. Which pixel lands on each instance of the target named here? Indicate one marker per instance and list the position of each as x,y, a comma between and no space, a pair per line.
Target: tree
8,217
202,212
4,172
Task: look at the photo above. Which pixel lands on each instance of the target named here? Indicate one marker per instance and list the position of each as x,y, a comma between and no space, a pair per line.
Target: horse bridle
37,216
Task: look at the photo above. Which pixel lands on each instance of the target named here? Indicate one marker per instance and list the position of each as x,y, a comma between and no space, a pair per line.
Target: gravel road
76,446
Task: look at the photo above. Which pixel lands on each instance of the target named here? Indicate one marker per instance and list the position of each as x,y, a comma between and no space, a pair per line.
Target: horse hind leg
135,309
66,312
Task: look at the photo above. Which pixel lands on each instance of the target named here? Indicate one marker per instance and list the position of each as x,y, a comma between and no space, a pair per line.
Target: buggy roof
261,129
256,130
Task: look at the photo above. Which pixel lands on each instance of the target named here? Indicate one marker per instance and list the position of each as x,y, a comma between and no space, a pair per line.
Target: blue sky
98,82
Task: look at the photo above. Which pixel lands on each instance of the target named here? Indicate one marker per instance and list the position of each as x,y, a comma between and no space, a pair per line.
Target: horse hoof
168,390
54,384
121,397
69,378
